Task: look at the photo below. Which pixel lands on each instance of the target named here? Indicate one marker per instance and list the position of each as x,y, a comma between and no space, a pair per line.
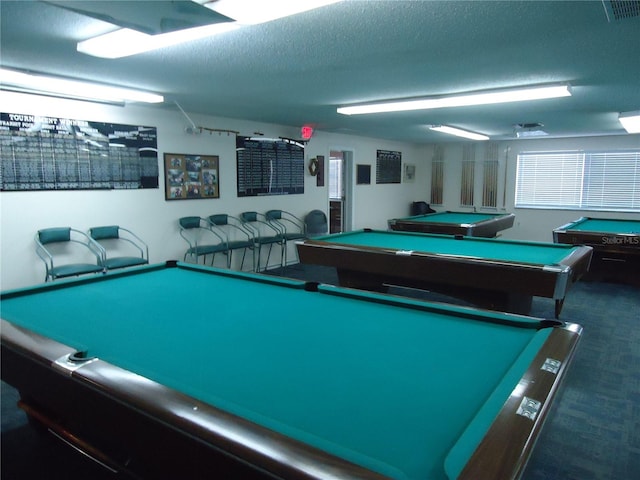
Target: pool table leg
559,304
490,299
43,423
360,280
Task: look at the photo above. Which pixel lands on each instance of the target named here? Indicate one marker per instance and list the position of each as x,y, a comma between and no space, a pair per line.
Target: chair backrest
316,222
219,219
421,208
249,216
190,222
196,230
274,215
54,235
117,241
48,236
105,233
230,227
288,224
258,227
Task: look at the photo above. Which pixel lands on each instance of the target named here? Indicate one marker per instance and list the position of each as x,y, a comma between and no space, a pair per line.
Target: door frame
348,190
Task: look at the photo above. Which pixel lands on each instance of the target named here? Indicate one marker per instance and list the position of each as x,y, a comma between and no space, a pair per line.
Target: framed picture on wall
363,174
189,177
409,173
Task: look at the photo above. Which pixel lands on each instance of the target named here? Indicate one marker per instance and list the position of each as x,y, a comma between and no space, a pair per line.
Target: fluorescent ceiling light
630,121
42,84
458,132
126,42
461,100
252,12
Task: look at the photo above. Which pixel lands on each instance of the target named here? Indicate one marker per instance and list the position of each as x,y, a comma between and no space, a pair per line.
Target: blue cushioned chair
202,239
263,233
116,243
60,249
291,228
316,223
236,237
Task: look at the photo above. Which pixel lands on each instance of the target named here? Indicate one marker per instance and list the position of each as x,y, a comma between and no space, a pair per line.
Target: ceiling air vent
621,9
528,130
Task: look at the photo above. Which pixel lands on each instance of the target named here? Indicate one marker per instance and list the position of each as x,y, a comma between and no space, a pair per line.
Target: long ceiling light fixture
461,100
67,88
458,132
126,42
250,12
630,121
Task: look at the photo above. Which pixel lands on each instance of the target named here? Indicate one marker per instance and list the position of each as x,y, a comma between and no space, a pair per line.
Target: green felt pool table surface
454,217
475,224
495,249
385,384
602,225
615,243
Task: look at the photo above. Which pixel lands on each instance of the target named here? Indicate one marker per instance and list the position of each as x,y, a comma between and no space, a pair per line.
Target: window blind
490,176
467,181
612,180
437,177
490,184
579,180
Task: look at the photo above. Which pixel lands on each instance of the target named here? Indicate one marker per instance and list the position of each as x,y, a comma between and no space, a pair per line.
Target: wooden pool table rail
488,283
210,439
137,446
486,228
616,256
131,423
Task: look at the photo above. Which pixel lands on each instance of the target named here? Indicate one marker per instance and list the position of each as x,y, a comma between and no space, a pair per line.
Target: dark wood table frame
486,283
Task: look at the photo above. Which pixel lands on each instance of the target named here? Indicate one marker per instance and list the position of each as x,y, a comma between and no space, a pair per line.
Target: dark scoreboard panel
50,153
269,167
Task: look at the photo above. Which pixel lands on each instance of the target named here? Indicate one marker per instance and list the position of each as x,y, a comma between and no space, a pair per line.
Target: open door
339,191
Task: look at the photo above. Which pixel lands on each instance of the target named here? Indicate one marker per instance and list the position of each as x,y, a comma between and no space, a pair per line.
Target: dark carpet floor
592,433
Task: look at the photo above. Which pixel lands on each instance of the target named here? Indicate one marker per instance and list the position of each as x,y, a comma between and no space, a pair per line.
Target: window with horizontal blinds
490,184
579,180
437,182
612,180
467,183
437,176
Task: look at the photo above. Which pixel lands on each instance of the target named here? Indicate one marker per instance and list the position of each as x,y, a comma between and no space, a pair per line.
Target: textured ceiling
298,70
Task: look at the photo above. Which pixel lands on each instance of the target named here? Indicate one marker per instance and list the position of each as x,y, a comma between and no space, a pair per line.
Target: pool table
183,371
471,224
616,246
491,273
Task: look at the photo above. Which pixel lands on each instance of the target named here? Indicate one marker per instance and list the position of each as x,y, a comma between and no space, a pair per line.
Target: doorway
339,191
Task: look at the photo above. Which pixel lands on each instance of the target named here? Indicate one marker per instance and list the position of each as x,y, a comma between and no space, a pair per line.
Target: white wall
530,224
146,211
153,218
